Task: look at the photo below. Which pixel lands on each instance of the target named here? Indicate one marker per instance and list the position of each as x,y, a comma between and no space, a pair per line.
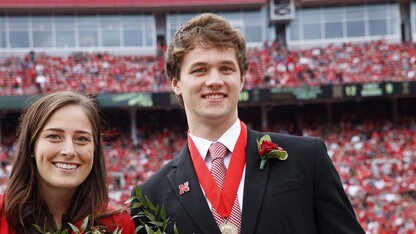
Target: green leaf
156,223
149,203
138,193
163,212
74,228
136,205
138,229
85,223
175,229
117,231
149,230
156,210
38,228
151,217
142,222
280,154
150,214
265,138
129,200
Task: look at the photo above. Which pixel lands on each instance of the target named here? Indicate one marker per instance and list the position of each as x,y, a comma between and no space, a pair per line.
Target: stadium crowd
376,160
273,65
376,157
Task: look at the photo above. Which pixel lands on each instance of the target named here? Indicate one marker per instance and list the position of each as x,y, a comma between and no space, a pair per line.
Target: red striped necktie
218,171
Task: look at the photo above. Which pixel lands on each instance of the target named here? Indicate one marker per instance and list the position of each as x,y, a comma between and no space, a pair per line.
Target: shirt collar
229,139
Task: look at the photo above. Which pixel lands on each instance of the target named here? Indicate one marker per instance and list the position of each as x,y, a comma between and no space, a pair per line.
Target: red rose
267,147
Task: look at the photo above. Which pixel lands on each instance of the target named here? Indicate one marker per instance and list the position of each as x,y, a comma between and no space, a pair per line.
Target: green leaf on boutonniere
263,138
280,154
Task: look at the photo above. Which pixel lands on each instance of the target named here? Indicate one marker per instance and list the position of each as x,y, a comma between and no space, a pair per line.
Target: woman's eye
83,139
53,137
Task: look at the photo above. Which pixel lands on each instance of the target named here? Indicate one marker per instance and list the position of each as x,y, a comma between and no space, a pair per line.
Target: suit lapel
193,201
254,185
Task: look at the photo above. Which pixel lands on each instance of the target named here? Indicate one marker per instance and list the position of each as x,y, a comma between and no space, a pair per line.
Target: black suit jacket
301,195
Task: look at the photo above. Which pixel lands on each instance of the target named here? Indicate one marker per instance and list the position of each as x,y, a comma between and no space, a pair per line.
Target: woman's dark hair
23,205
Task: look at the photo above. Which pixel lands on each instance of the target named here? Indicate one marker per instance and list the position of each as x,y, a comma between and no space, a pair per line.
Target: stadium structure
129,26
342,70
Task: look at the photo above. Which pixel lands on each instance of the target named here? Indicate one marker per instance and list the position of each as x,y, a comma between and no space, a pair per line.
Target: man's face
210,84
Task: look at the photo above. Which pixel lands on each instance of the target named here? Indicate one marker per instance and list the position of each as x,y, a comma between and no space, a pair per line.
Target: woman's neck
58,203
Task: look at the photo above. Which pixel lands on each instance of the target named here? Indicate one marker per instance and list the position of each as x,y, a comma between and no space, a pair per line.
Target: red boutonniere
268,149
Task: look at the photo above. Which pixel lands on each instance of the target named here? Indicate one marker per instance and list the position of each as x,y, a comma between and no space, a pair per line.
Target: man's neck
211,131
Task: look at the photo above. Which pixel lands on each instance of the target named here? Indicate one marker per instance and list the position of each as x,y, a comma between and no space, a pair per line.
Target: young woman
59,173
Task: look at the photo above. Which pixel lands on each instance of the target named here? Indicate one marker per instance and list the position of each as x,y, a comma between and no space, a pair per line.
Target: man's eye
227,69
199,70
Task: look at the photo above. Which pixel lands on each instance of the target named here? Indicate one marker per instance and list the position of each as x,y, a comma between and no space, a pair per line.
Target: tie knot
217,151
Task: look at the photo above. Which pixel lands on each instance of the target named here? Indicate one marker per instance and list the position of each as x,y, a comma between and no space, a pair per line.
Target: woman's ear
176,86
241,84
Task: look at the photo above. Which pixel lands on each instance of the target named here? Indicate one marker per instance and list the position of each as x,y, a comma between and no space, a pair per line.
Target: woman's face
64,150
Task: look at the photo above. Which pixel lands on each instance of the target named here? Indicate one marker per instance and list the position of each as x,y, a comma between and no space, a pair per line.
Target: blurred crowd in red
376,161
376,157
271,66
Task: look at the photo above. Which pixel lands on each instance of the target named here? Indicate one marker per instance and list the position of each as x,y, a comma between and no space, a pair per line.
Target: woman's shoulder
119,219
1,202
4,226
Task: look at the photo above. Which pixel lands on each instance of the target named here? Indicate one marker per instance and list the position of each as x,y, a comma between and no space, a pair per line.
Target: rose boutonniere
268,149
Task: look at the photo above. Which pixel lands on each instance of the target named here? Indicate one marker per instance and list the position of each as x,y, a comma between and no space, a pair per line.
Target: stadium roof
80,6
339,2
115,4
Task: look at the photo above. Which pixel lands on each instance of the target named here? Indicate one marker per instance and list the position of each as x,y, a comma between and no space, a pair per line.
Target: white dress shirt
229,139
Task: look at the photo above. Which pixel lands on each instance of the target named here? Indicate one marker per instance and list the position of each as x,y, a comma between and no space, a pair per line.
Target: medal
228,228
222,200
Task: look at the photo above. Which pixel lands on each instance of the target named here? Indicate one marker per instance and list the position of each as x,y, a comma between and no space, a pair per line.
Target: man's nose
214,78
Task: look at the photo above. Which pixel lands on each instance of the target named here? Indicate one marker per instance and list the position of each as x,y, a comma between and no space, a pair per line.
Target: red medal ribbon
223,200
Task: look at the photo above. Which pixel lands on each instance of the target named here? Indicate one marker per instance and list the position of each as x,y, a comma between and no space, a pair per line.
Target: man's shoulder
286,137
292,143
289,137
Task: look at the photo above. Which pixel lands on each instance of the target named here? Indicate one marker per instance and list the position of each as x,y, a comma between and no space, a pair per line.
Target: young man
206,192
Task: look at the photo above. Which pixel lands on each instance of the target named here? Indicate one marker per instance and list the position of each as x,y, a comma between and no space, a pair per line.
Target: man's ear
176,86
